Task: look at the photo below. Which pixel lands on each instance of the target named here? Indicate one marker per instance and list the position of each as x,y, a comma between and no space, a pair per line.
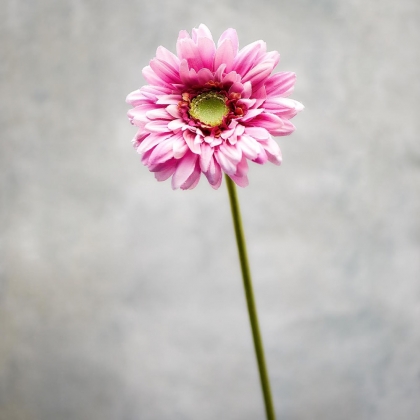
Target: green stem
252,310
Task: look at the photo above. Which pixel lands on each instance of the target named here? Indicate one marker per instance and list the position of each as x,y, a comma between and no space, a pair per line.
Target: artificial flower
208,110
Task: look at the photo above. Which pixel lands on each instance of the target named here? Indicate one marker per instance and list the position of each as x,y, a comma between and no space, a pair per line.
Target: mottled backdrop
121,299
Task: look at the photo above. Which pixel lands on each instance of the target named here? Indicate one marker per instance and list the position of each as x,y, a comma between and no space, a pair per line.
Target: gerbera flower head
209,109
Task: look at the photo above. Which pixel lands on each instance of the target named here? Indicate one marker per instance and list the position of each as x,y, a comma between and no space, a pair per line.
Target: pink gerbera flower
209,110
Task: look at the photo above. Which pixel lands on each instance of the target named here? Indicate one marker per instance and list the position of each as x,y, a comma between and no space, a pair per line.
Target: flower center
209,108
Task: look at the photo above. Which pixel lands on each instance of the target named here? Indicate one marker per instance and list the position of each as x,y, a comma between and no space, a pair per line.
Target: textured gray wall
121,299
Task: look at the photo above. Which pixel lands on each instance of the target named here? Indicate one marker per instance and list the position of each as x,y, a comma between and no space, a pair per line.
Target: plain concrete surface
121,299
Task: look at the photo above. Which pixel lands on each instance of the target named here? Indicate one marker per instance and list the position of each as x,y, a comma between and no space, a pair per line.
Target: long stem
252,310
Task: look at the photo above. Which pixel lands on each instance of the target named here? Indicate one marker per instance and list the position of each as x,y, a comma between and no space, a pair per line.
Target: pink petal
174,111
283,107
149,142
204,76
168,57
168,99
167,170
240,181
179,146
232,36
157,126
231,78
262,157
182,35
224,55
184,169
135,98
207,51
229,132
175,125
287,129
247,90
153,78
259,133
202,32
145,157
188,76
240,177
138,114
232,152
139,137
218,75
260,96
273,151
206,156
164,71
246,58
242,167
190,138
258,75
225,163
190,52
158,114
162,152
152,92
193,179
272,57
251,113
214,174
281,84
271,122
236,87
249,146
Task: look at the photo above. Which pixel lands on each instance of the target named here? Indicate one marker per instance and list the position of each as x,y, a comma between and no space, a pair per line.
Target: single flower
211,109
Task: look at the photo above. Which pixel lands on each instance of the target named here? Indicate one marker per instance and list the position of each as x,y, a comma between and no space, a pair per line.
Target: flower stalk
250,300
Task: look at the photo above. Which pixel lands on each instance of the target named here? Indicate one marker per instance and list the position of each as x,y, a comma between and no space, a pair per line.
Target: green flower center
209,108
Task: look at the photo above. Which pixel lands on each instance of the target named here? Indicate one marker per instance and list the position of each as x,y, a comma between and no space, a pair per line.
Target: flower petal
190,139
224,55
259,133
189,51
214,174
168,99
167,57
283,107
233,38
164,71
258,75
246,58
273,150
188,76
281,84
249,146
271,122
184,169
158,114
167,170
232,152
174,111
201,32
193,179
225,163
179,146
149,142
157,126
287,129
206,155
162,152
175,125
207,51
153,78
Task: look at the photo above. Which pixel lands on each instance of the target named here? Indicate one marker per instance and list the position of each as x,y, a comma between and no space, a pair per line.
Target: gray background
122,299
